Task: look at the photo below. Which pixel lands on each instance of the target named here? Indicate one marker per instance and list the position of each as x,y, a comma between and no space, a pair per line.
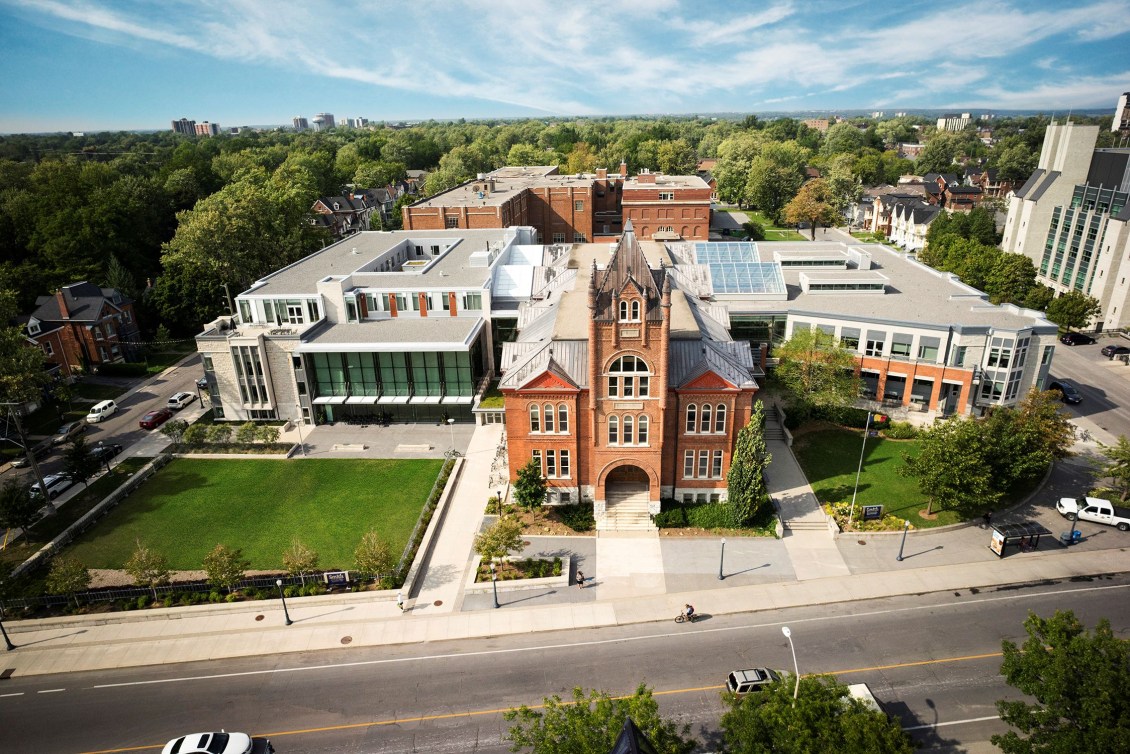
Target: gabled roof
85,302
628,267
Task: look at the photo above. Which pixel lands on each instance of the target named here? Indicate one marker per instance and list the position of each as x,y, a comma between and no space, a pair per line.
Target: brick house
83,326
635,394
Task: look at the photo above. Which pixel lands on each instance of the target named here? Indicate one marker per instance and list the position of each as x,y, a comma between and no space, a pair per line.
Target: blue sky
99,64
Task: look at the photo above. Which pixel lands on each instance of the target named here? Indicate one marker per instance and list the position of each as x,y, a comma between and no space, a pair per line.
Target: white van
100,411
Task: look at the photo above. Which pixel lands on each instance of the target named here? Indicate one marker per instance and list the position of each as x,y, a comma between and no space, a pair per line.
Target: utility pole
15,410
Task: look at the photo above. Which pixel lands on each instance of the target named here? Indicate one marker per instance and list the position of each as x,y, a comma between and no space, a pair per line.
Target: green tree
823,717
246,433
219,433
299,560
521,155
775,176
148,567
18,509
225,567
590,724
676,157
175,429
735,155
1080,681
500,539
841,138
813,204
745,482
1116,467
379,173
817,371
22,373
530,487
754,230
67,576
194,434
372,555
78,461
1073,310
267,433
580,159
953,467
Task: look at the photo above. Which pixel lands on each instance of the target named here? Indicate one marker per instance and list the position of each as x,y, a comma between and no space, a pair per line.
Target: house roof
84,303
627,268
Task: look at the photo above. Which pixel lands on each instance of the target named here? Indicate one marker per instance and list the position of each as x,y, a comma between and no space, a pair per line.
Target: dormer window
630,311
337,206
33,328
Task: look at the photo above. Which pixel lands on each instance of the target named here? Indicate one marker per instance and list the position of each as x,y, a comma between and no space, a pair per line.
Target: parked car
39,450
155,419
1068,390
754,679
100,411
180,400
1076,339
68,432
1112,350
103,452
218,743
55,484
1094,509
202,383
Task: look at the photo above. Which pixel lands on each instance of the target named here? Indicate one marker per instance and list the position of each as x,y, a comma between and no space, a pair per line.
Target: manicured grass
192,505
775,232
159,361
830,458
97,392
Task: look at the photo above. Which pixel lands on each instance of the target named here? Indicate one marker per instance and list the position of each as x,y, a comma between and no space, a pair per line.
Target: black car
103,452
1076,339
1068,390
1112,350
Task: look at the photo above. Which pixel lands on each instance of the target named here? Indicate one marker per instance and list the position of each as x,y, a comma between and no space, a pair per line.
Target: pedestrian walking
400,601
580,579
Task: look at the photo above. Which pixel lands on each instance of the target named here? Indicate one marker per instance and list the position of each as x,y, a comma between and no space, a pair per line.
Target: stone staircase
773,428
626,511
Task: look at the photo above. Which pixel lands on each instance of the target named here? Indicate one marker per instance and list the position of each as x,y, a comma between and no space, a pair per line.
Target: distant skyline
92,65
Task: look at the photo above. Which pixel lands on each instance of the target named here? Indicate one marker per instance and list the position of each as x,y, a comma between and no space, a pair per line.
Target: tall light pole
451,426
796,668
301,421
278,583
905,529
102,454
494,585
7,642
858,471
722,560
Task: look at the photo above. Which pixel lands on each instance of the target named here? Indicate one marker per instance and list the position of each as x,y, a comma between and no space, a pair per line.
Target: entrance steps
773,429
626,510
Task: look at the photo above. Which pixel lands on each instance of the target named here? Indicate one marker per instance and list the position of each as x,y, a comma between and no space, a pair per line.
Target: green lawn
192,505
830,459
775,232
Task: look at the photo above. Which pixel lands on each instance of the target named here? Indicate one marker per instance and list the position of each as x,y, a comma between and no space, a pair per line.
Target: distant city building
877,114
300,123
817,124
1072,219
184,126
358,122
323,121
207,129
1122,115
954,122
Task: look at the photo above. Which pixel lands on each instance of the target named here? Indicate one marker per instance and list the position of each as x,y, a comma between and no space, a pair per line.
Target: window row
628,430
555,464
542,418
699,419
702,464
630,311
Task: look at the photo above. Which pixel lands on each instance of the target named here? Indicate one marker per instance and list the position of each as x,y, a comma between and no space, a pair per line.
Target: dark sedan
155,419
1076,339
1112,350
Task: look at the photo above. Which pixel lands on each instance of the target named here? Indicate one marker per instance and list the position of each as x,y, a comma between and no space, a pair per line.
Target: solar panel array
735,268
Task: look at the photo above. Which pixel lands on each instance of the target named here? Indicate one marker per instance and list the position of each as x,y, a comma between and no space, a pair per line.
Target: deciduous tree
1073,310
225,566
530,487
372,555
745,482
590,723
67,576
300,559
775,176
79,463
813,204
500,539
953,466
817,371
1080,681
1116,466
18,509
148,567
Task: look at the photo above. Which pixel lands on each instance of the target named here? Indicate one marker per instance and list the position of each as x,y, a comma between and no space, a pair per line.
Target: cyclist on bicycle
689,611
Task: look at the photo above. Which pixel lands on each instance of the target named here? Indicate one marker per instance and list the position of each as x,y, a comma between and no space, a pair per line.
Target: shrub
711,516
143,602
672,518
268,433
219,433
195,434
557,566
246,433
901,431
578,517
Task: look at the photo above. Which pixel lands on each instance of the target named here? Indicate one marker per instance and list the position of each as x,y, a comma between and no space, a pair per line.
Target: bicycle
682,617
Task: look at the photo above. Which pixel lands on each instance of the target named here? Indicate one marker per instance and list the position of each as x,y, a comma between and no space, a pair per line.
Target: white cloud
705,32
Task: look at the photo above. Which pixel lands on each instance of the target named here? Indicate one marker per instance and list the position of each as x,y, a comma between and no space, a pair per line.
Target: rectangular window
959,355
688,464
874,348
563,418
452,222
551,464
900,348
312,310
928,353
851,343
445,299
47,349
566,472
207,359
547,418
642,382
628,387
716,465
537,457
472,301
579,238
703,460
579,205
245,312
558,238
535,418
1047,357
666,196
435,250
613,387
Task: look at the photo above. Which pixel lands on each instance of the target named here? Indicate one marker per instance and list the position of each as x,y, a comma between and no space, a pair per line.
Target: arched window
720,418
636,311
628,430
641,430
628,377
562,417
535,418
692,417
623,311
704,422
614,430
547,417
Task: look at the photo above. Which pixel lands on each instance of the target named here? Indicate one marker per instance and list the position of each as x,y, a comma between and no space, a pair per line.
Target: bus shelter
1024,535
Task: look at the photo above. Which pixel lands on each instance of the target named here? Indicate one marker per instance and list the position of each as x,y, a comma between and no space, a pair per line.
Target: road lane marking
50,691
599,642
18,693
952,722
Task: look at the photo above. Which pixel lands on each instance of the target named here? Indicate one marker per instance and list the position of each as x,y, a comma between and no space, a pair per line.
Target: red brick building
569,208
82,326
623,391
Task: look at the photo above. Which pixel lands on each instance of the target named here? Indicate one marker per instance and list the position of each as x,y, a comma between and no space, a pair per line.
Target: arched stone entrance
627,500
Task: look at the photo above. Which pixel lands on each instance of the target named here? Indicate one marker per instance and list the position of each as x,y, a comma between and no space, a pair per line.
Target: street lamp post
102,454
451,426
7,642
278,583
796,668
494,585
905,529
722,560
500,503
859,470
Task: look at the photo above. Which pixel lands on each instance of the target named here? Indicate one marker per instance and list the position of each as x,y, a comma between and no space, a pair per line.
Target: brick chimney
61,297
601,173
623,169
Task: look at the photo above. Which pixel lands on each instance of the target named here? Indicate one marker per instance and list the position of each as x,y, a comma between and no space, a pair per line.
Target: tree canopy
745,483
1073,310
816,370
814,204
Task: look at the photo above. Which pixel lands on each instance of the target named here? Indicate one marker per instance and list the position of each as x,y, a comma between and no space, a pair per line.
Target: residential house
82,327
909,222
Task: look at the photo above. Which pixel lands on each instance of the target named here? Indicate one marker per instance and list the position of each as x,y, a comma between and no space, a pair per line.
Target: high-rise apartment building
1122,115
184,126
323,121
954,122
207,129
358,122
300,123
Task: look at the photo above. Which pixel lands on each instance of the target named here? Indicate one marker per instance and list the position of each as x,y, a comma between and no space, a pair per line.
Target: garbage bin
1070,537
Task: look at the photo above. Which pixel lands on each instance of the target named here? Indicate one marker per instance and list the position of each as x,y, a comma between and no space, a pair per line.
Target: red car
155,419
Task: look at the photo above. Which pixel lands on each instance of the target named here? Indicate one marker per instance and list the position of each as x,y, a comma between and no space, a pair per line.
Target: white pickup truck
1094,509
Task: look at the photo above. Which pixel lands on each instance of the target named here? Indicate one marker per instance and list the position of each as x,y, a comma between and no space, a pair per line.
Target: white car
180,400
56,485
218,743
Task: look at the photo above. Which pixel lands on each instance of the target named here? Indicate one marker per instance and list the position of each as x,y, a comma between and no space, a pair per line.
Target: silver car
56,484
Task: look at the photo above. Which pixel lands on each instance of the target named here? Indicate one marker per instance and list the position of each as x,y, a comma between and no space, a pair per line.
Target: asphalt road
1104,384
933,660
